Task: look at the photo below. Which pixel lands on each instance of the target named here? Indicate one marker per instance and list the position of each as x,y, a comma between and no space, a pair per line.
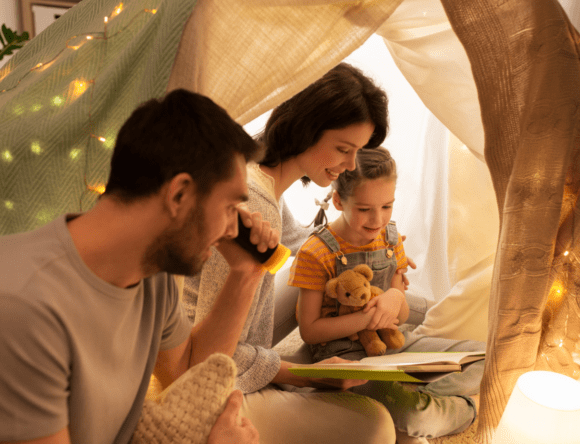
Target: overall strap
391,233
325,236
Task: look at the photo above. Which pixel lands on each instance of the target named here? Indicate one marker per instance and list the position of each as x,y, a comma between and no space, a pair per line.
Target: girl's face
334,152
366,211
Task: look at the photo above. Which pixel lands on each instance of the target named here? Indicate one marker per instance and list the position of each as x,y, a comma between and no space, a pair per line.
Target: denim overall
384,265
436,409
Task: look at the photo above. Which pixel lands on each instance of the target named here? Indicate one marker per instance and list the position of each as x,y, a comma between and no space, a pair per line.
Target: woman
314,136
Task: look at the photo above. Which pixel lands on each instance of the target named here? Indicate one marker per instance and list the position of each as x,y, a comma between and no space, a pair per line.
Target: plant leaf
13,41
8,34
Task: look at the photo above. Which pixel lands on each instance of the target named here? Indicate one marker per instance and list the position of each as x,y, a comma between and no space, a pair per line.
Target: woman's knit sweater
257,363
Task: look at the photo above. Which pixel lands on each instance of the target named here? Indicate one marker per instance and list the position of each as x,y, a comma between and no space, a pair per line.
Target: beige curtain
524,57
251,55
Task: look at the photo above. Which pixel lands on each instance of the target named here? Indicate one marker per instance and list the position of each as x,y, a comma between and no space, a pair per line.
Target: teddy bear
352,289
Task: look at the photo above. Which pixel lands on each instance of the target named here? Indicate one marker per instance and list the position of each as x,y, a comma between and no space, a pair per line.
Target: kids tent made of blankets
502,75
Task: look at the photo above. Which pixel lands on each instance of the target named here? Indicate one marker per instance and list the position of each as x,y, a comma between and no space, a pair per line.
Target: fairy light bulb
566,253
100,189
7,156
36,148
118,9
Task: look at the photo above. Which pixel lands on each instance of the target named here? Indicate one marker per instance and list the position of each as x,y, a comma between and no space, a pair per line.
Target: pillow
186,411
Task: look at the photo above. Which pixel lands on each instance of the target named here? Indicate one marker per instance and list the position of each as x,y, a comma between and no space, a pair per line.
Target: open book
406,367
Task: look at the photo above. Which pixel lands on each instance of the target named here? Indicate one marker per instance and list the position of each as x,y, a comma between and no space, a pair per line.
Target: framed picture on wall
36,15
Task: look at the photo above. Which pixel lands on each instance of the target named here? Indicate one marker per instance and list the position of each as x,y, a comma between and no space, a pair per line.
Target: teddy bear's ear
331,288
365,270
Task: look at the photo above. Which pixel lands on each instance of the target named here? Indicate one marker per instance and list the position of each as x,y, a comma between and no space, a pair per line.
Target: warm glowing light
109,143
57,100
97,188
18,109
36,107
102,139
38,65
118,10
77,88
89,37
566,253
9,205
7,156
106,20
36,148
44,216
152,11
544,408
74,153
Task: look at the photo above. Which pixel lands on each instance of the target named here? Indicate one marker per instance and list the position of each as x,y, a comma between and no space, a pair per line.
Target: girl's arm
391,306
314,329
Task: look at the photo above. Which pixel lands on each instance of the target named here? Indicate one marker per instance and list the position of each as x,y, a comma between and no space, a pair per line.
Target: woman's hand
284,376
387,306
340,384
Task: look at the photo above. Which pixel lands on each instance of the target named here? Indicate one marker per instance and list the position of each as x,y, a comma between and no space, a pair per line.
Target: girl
364,233
314,136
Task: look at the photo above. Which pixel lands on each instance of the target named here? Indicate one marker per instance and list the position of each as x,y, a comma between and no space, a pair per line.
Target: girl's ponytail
321,218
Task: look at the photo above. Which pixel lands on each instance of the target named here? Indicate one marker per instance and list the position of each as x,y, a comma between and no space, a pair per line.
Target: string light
36,148
7,156
118,10
99,189
74,153
566,253
76,88
99,138
57,101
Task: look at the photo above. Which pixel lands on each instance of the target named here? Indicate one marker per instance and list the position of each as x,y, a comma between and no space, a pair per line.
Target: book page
403,359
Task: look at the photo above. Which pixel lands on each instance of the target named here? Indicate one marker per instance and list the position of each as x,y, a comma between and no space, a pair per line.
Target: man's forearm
220,331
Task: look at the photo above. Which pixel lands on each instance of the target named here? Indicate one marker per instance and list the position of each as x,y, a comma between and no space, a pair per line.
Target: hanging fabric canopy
502,76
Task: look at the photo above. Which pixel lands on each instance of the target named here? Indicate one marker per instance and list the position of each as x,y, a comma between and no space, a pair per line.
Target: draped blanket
524,57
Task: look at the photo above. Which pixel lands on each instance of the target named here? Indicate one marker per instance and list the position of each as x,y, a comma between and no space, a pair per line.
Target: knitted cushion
186,411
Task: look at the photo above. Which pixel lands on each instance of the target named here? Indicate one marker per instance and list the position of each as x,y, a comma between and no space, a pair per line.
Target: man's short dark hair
184,132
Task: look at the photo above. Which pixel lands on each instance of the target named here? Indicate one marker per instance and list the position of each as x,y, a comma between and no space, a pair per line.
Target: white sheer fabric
445,202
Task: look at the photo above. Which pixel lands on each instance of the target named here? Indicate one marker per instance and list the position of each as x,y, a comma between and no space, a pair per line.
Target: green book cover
404,367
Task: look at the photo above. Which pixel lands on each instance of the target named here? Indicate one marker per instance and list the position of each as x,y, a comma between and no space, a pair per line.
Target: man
87,307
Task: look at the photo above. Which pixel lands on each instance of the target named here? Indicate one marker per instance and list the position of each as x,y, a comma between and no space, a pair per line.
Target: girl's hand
398,281
341,384
387,306
402,271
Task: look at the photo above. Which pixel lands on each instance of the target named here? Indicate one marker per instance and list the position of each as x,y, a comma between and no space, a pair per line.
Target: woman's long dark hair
342,97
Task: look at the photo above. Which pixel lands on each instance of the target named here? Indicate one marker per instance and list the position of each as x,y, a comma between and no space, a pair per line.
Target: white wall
9,18
8,13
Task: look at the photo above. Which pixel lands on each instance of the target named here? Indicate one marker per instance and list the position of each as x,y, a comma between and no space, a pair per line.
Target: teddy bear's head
351,287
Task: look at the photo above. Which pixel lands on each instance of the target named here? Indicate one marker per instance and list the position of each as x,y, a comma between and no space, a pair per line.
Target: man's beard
167,252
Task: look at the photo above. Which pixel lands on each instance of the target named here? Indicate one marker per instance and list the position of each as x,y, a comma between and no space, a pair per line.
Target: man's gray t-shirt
75,350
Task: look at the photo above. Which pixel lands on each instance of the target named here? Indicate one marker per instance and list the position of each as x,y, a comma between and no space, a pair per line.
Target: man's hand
230,427
261,235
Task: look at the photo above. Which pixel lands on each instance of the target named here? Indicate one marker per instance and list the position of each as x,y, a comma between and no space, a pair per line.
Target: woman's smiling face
335,152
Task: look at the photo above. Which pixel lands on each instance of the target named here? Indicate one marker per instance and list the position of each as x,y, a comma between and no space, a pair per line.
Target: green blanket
64,96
